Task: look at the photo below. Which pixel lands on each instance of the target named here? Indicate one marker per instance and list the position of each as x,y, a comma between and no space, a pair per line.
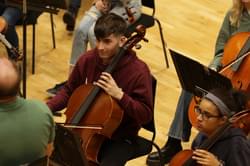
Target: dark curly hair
235,100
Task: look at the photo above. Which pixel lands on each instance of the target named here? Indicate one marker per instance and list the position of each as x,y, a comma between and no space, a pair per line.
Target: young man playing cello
129,84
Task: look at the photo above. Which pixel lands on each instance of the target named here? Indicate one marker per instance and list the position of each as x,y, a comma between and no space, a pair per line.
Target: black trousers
118,152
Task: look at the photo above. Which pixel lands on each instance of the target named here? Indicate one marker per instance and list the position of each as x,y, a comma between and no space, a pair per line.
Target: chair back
149,4
31,18
145,145
44,161
151,125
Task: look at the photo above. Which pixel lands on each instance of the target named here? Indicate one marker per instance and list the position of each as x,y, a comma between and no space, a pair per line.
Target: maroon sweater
131,75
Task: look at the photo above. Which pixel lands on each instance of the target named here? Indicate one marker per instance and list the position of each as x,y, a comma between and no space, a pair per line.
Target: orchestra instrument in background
236,52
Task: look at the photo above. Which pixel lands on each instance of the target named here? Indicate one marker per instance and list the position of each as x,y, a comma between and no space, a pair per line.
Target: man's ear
123,39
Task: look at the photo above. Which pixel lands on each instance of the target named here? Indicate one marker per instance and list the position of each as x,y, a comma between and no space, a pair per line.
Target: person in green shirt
26,126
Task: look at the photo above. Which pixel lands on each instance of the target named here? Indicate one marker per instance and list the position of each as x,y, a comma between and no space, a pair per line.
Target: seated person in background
8,19
236,20
69,17
84,34
132,90
232,147
26,126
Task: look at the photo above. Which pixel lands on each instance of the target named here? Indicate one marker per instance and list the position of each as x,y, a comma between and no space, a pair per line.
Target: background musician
236,20
10,17
132,90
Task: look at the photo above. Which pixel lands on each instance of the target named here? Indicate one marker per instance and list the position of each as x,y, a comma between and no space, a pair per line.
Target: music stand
68,148
195,77
50,6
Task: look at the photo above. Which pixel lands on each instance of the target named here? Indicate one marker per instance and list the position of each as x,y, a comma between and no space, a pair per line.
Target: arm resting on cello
222,39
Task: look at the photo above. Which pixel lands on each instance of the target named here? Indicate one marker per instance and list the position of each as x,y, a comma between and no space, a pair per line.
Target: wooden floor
190,27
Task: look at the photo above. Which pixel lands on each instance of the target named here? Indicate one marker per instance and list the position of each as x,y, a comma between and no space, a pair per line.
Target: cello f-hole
240,83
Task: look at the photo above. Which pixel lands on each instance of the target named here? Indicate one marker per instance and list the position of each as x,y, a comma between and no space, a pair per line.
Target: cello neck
209,142
115,60
85,106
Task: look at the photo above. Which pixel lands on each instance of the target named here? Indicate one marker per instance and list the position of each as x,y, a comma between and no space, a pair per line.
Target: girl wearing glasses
232,148
235,21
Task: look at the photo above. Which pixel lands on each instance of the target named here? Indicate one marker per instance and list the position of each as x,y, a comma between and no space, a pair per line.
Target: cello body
181,157
239,78
102,119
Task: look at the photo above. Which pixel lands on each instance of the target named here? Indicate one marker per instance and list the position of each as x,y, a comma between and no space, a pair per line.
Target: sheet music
195,77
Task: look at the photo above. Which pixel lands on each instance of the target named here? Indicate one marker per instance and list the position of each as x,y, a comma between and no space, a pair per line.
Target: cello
184,158
15,53
92,113
235,66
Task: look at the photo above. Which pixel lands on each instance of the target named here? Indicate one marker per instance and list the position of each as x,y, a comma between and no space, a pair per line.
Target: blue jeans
11,15
84,34
181,127
75,4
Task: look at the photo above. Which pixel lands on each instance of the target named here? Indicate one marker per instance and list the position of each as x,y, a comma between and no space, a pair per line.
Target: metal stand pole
24,47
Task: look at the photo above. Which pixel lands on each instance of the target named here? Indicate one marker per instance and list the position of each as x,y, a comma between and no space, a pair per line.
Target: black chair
44,161
149,21
145,144
31,19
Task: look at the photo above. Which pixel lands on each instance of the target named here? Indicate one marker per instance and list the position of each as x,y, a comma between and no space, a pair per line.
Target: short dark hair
14,89
109,24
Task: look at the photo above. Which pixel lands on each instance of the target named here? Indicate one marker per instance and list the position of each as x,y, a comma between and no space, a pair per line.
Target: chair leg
33,47
52,29
163,42
159,152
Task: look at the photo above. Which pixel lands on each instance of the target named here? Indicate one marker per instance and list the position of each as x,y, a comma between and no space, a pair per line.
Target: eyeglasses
204,114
